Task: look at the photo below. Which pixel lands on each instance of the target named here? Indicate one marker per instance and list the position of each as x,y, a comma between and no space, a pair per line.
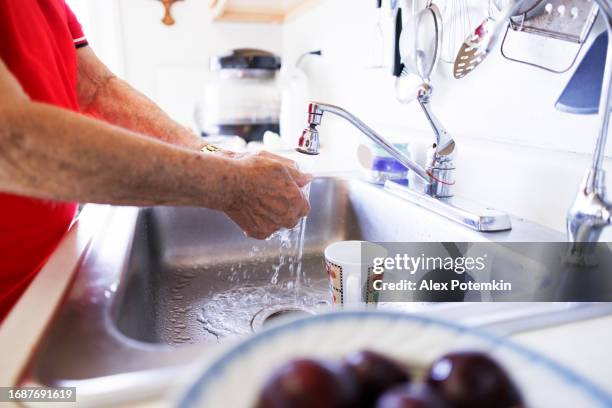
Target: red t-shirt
38,41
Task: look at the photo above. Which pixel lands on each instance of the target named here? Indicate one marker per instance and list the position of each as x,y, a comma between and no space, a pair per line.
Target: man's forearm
65,156
109,98
118,103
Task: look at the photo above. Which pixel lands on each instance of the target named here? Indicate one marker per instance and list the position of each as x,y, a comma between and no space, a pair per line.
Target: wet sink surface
193,276
210,303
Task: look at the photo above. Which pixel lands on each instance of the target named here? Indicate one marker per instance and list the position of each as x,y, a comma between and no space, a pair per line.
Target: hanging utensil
566,20
378,39
457,26
583,91
419,46
527,10
479,44
397,67
421,42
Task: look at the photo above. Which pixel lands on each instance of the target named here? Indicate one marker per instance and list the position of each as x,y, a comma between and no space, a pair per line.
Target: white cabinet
260,11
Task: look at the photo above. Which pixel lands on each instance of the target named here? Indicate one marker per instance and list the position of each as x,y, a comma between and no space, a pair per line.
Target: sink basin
193,276
160,287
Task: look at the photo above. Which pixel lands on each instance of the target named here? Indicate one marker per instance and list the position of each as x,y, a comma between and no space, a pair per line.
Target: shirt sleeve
78,37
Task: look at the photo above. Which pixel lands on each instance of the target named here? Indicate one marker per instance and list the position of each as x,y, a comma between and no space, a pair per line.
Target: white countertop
582,346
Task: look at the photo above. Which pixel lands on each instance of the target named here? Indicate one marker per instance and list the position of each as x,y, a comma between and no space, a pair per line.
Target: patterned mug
350,283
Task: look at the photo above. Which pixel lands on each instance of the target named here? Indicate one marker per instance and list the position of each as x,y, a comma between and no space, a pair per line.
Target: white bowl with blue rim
236,378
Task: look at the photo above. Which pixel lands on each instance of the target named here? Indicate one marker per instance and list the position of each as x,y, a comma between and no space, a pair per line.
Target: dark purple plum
412,396
375,374
473,380
307,383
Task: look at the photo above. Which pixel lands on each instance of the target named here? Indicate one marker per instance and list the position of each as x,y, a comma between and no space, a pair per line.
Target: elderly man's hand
267,195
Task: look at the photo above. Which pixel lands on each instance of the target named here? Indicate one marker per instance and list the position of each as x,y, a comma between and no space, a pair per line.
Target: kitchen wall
101,21
167,63
171,63
516,152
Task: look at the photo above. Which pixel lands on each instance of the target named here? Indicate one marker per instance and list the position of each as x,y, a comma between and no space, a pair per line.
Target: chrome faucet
590,212
437,175
434,193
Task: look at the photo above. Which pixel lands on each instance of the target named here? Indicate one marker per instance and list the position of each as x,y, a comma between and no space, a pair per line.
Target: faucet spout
309,141
590,212
437,176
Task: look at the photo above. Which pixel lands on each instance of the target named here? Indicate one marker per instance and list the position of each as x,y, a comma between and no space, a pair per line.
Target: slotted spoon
479,44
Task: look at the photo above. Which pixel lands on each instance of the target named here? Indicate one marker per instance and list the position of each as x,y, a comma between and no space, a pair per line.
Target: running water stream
292,240
232,311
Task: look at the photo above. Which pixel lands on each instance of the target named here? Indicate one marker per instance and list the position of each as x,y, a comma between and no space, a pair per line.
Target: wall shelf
259,11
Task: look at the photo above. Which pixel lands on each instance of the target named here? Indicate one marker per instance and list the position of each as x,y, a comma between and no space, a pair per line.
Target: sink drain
285,313
268,316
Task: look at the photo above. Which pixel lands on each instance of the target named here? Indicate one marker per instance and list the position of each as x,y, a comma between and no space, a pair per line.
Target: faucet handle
309,141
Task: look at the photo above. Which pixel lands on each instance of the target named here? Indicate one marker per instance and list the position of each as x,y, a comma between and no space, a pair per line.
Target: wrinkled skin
267,194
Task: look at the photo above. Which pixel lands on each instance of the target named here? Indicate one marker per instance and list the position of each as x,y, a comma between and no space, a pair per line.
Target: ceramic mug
343,264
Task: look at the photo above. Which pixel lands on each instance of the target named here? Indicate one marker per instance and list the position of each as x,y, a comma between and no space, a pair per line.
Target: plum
473,380
307,383
375,374
412,396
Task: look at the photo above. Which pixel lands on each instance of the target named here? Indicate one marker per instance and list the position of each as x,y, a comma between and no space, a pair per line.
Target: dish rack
566,20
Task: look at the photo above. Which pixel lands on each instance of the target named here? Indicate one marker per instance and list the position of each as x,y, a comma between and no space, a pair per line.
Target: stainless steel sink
159,286
194,277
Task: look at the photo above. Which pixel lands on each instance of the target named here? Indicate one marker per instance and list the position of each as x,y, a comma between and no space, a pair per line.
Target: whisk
457,26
